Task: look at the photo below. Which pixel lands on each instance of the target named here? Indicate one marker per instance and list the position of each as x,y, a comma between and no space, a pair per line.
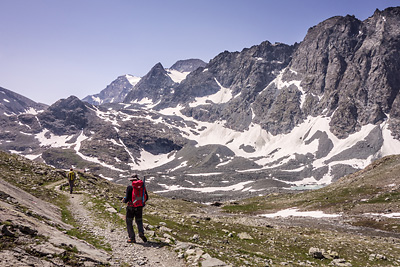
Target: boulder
245,236
316,253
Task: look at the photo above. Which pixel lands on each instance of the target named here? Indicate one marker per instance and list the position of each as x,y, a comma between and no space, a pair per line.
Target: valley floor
180,233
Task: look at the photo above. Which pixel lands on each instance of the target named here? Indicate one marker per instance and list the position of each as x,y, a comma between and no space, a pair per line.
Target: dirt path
139,254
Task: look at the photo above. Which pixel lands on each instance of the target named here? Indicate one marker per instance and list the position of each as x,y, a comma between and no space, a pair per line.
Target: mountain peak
66,116
188,65
13,103
156,70
154,85
115,92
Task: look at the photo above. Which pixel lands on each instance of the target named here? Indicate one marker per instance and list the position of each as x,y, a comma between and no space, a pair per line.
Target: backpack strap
137,198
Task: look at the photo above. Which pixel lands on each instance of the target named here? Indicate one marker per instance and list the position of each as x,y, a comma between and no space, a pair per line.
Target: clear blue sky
51,49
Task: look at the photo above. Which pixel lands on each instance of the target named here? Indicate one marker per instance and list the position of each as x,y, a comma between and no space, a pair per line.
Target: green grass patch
385,198
67,217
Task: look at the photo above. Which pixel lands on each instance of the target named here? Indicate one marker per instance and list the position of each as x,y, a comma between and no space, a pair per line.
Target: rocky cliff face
348,70
344,68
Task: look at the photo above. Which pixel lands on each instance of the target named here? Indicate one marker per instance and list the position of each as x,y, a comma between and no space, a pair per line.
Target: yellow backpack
71,176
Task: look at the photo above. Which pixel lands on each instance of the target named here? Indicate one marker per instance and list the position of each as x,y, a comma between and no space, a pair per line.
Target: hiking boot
131,240
143,238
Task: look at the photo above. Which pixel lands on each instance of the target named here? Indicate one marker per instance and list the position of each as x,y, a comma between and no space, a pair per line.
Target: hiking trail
123,253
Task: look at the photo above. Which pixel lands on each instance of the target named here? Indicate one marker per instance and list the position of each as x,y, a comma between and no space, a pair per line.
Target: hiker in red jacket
136,197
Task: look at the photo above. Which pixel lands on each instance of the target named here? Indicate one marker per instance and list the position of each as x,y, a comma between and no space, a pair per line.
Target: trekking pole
144,189
120,208
115,221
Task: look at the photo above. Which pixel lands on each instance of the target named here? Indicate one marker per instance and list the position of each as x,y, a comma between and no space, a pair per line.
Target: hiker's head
71,169
134,177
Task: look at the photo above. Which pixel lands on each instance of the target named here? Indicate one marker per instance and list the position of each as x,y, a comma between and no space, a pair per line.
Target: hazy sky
51,49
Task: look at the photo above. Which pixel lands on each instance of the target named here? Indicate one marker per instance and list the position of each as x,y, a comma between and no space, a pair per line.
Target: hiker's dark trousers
137,213
71,185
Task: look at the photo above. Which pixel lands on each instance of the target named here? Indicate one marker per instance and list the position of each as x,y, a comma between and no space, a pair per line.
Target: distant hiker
136,197
71,179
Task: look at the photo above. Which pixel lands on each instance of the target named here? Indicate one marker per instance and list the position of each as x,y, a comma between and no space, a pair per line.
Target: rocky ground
33,234
41,224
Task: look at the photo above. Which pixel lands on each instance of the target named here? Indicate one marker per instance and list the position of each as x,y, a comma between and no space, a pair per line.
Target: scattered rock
196,237
216,204
27,230
111,210
6,232
340,263
330,254
212,262
46,249
373,257
316,253
245,236
165,229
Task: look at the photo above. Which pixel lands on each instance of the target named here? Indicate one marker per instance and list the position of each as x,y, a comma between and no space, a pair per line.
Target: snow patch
177,76
235,187
33,111
224,163
97,99
107,178
205,174
388,215
149,161
133,80
390,145
222,96
53,140
109,116
183,164
296,213
32,157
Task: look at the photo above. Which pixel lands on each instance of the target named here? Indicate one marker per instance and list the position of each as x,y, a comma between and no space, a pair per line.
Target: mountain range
268,118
